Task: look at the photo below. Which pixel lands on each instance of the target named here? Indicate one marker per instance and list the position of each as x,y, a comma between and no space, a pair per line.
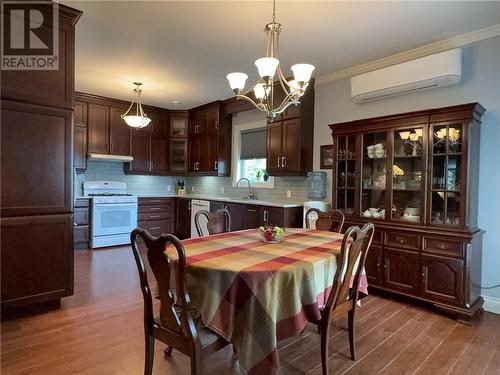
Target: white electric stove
113,214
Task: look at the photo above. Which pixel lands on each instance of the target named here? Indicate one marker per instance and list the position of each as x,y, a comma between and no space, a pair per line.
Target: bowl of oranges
271,234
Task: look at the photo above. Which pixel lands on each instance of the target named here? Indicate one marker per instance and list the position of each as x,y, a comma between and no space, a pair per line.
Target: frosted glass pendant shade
137,121
302,72
260,92
266,66
237,80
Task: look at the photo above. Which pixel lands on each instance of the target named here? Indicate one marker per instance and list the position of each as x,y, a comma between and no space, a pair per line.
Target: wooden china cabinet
415,175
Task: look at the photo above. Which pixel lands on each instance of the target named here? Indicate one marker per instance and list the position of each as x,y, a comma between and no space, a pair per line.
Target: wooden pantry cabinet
37,172
415,176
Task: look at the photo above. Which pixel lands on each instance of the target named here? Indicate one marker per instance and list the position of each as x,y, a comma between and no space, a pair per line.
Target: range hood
107,157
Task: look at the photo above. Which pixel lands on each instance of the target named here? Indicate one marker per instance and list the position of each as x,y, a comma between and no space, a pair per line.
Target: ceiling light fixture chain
264,88
140,119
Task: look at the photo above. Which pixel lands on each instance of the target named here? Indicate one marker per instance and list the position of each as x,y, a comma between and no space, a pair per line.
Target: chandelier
139,119
263,89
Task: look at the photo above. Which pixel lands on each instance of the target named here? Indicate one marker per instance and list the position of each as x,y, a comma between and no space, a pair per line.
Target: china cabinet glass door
446,173
374,175
345,165
408,176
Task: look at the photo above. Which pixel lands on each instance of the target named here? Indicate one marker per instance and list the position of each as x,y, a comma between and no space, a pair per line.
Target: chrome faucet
251,195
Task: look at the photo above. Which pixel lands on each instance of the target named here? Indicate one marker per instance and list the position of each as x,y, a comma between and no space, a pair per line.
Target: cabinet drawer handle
216,124
443,246
154,216
283,160
265,216
250,210
153,228
279,162
401,239
215,165
155,208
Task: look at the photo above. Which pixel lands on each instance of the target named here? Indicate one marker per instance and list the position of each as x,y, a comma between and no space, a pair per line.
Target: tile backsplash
111,171
213,185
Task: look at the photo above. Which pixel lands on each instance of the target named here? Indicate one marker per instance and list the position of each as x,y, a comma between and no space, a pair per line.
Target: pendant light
136,118
261,95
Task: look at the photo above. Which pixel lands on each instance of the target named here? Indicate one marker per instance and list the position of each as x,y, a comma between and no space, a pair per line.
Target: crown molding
429,49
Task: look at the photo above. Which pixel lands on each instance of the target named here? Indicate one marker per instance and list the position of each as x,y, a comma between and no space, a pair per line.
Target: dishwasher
198,205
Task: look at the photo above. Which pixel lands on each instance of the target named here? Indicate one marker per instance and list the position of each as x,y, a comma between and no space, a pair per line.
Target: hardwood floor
99,331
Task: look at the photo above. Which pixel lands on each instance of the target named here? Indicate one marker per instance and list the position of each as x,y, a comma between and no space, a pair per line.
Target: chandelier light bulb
237,81
266,66
302,72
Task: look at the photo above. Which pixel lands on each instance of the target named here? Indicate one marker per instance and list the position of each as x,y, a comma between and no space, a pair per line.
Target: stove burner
109,194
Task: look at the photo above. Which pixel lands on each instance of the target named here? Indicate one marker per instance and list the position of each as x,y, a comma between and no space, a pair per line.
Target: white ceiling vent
441,69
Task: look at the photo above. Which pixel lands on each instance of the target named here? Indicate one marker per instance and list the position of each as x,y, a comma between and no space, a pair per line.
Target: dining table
254,293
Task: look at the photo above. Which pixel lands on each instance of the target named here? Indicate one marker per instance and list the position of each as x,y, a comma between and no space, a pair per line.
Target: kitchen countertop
258,202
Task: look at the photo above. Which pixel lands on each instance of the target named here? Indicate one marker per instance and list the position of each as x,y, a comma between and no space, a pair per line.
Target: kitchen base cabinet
81,219
183,218
373,265
36,260
156,215
235,210
255,216
442,278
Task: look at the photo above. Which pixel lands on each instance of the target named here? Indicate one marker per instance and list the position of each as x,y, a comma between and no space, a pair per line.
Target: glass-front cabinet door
446,173
374,175
408,174
345,168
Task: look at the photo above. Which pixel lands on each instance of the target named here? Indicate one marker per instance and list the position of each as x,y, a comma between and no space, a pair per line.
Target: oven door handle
114,205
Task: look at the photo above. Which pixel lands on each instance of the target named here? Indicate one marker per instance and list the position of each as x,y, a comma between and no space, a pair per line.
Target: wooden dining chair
331,220
343,298
217,222
175,325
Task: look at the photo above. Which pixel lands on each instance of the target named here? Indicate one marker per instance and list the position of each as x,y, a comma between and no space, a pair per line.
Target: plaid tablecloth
254,294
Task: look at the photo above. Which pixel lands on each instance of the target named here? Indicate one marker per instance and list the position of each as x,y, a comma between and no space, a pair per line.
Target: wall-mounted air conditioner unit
441,69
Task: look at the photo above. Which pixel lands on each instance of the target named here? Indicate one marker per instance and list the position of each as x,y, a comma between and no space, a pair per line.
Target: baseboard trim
492,304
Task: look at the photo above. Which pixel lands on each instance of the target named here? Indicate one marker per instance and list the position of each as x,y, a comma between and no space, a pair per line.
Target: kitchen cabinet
107,131
156,215
81,219
150,145
80,148
210,132
98,128
235,210
414,175
290,139
119,132
179,142
183,222
36,148
255,216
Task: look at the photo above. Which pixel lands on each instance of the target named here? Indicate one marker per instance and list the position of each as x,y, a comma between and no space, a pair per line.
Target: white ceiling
183,50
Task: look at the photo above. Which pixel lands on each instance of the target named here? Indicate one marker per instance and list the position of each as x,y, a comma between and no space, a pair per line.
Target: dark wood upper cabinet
80,136
140,151
418,172
179,143
80,148
291,145
119,132
210,140
81,113
290,138
159,155
98,128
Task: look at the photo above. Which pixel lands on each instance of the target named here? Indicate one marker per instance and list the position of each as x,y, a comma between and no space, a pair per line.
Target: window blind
253,144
